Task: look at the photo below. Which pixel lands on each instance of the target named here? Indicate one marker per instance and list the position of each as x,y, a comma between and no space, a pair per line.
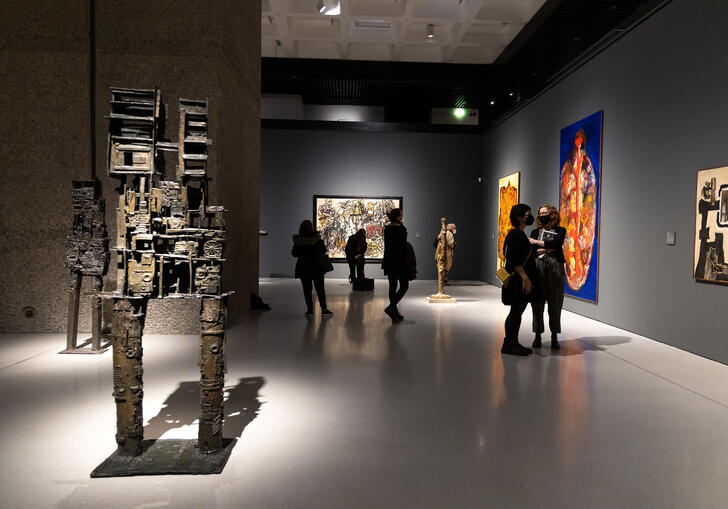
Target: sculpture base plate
166,457
440,299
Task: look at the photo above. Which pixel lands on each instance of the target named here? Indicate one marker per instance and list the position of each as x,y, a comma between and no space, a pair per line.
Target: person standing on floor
394,262
311,265
548,240
519,289
356,248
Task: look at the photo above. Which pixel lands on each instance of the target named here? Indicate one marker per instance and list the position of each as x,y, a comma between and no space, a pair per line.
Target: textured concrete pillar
127,329
212,373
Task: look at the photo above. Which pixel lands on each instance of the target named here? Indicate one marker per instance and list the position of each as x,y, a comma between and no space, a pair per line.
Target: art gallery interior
431,102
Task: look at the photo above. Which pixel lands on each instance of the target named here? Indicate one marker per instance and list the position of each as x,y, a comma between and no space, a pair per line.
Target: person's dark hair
306,227
394,214
518,211
361,232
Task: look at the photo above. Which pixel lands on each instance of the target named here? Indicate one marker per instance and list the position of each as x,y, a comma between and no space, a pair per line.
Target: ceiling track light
321,6
430,31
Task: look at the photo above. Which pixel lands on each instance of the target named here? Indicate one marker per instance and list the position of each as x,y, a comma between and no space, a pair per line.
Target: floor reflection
443,340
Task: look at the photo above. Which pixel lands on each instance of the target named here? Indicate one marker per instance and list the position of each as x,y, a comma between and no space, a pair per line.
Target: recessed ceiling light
510,95
492,103
372,24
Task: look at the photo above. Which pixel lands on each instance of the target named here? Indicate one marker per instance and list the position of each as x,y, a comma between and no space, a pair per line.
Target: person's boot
537,341
391,313
554,342
512,347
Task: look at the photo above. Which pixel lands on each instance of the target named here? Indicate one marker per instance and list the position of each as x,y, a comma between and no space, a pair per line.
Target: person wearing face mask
548,240
521,287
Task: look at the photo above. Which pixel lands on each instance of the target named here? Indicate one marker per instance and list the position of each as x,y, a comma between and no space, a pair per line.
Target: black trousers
513,320
318,283
359,267
395,295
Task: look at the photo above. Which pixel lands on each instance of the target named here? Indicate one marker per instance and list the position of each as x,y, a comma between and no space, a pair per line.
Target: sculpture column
127,329
74,295
212,373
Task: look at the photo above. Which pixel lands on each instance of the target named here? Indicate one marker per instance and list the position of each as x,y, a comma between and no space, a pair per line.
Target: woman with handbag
518,290
394,262
312,264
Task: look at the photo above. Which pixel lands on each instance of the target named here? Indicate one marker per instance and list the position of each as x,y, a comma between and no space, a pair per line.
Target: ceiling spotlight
430,31
492,103
510,95
321,6
335,10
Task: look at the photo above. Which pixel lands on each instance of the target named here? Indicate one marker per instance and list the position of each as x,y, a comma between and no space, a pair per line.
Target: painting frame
588,206
335,255
504,222
701,235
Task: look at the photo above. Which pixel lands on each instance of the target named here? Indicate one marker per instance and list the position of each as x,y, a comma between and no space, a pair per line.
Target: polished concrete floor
354,412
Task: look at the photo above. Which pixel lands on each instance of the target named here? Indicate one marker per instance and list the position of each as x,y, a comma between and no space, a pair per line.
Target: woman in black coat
548,240
310,251
519,290
394,262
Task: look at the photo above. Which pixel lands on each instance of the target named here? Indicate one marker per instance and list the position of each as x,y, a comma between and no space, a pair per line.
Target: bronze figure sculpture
87,255
169,244
443,258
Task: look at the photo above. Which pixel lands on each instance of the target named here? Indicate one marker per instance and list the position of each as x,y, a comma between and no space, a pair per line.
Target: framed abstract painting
508,196
339,217
579,204
711,226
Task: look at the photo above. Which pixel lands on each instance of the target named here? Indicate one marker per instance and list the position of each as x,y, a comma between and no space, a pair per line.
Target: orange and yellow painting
579,184
508,195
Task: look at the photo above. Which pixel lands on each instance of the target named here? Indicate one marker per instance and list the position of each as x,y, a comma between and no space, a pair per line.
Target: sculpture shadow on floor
597,342
182,408
242,405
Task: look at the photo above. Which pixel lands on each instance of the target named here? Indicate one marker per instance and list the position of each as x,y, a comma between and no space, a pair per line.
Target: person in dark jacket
356,248
548,240
310,250
394,262
519,290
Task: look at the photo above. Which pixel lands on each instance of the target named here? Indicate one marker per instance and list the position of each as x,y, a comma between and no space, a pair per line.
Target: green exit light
458,112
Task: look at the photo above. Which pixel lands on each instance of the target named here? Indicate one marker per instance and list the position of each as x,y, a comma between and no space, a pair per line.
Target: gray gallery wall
435,173
662,88
44,64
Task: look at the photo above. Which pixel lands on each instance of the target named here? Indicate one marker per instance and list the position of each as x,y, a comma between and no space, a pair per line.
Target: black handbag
324,262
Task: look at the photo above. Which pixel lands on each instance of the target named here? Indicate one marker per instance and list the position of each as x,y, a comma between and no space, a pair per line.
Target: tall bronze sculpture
87,255
169,244
443,258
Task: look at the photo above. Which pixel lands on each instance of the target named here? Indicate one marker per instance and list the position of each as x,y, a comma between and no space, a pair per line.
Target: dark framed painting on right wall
711,226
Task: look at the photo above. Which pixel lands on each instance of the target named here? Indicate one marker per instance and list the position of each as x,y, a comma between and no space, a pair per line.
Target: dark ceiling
560,36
